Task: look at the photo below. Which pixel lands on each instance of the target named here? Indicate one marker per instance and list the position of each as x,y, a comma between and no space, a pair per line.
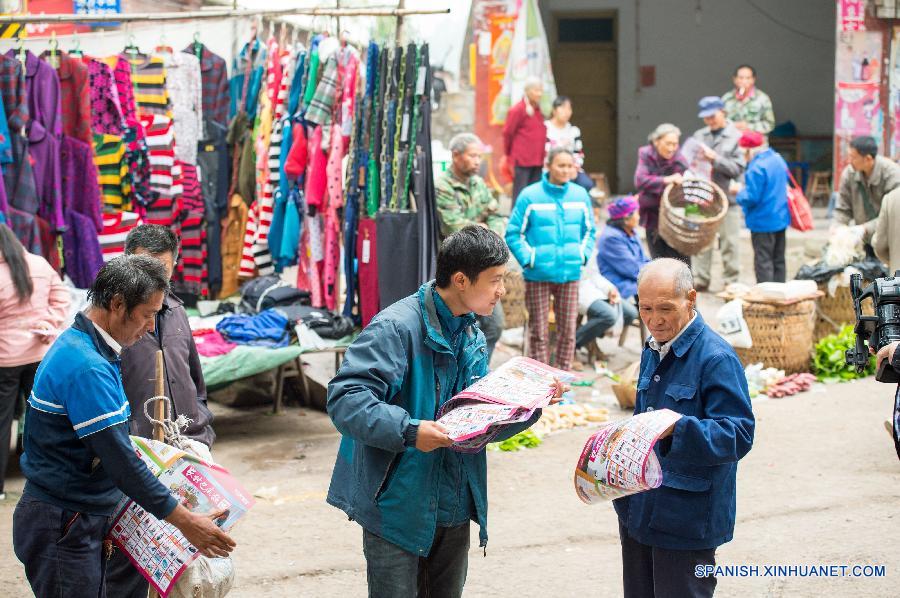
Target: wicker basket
782,335
514,300
833,313
688,235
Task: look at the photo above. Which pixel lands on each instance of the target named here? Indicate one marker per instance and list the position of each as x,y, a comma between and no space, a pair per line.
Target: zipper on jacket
387,474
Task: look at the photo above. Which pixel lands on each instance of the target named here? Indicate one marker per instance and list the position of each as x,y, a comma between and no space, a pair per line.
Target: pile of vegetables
523,440
830,362
790,385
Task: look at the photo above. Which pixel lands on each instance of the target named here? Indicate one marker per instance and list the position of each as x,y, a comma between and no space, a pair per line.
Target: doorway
584,54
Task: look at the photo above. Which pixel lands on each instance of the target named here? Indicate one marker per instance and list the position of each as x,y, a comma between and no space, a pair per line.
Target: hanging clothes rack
399,13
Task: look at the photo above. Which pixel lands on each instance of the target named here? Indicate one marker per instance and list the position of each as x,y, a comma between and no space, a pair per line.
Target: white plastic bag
205,578
616,329
732,326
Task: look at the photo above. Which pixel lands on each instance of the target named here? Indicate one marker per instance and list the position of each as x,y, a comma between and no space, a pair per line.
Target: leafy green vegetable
522,440
829,360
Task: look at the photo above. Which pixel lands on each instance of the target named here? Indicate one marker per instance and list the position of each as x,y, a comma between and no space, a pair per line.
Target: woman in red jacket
524,137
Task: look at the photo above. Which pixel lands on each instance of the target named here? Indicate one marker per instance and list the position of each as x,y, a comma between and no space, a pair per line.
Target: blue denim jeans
392,572
62,550
600,317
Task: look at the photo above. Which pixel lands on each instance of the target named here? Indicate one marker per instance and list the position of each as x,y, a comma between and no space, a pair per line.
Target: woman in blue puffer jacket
551,234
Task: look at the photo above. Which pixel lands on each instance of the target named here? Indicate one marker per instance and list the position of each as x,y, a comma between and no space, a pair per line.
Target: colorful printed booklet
509,394
158,549
618,459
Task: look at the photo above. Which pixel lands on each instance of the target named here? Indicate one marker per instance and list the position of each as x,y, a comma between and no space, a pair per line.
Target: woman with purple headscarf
659,164
620,255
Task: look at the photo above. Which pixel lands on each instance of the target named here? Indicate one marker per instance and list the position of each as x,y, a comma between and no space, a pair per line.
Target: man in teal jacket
394,474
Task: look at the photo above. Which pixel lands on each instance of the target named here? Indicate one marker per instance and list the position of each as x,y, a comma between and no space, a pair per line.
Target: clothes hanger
198,45
164,47
76,51
131,48
53,57
21,54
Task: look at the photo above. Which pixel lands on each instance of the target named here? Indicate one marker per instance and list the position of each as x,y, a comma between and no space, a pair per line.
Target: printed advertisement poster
851,15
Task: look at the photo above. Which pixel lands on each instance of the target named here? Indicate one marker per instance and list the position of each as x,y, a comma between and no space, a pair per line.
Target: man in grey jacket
720,138
864,183
184,379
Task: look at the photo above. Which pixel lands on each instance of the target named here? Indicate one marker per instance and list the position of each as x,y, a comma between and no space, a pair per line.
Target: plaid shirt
319,111
25,227
12,88
214,75
755,110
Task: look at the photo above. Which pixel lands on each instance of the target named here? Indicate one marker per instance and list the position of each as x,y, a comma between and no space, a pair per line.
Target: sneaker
2,496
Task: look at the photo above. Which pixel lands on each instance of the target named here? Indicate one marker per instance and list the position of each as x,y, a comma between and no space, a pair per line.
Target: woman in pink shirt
33,305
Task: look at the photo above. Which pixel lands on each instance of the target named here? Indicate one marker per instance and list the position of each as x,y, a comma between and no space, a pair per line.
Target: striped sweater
148,75
112,169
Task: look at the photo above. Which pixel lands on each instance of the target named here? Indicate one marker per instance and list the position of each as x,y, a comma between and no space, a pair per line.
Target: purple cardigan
648,180
81,249
80,187
44,103
44,151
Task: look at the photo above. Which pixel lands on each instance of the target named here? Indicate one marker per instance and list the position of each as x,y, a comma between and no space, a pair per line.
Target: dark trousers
492,326
524,176
14,382
601,316
392,572
122,579
768,256
583,180
651,572
659,248
62,550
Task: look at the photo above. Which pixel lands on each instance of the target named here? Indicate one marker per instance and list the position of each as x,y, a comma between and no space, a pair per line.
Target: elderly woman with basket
660,163
551,234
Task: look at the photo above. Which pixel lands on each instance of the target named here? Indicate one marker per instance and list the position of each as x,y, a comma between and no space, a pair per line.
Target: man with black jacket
78,459
184,378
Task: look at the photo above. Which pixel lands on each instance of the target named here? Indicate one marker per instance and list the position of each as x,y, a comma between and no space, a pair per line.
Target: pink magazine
510,394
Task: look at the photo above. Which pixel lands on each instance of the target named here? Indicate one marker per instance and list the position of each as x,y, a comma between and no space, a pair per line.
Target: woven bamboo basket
689,235
782,335
833,313
514,300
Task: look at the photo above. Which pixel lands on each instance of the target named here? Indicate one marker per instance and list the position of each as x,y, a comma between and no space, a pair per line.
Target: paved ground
819,487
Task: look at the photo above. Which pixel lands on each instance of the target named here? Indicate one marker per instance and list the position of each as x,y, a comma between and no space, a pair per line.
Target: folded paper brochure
510,394
618,459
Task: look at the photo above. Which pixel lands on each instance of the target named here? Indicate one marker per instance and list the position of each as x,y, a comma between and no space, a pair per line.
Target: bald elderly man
670,534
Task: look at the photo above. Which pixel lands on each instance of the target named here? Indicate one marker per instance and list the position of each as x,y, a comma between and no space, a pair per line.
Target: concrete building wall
695,45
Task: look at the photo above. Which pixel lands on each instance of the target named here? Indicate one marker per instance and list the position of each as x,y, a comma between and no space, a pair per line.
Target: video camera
877,330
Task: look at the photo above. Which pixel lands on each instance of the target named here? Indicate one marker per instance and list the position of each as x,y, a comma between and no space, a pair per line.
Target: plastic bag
870,267
732,326
206,577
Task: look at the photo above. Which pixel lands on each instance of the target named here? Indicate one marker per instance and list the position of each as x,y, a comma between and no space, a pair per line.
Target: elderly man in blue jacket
394,474
668,532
